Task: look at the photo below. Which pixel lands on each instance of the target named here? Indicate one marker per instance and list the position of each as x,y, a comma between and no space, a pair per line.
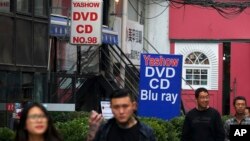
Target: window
196,76
6,40
5,6
196,68
40,8
40,87
3,87
13,86
23,6
16,86
27,85
202,58
40,44
23,42
196,58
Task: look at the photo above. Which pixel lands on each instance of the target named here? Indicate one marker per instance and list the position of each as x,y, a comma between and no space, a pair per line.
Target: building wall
204,24
23,48
194,22
156,23
23,53
212,51
240,66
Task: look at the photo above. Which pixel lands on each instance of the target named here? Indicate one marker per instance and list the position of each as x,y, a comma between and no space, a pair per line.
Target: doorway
226,78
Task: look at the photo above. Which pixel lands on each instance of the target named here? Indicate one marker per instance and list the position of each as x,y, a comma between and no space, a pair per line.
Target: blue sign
58,30
59,26
160,86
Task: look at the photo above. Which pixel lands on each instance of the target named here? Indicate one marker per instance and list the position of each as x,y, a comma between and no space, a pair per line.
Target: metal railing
115,58
111,58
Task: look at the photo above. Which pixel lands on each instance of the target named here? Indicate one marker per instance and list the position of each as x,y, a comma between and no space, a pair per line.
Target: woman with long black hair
36,125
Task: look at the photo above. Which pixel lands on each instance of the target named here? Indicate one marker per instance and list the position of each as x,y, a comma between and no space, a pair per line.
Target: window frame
45,9
194,67
30,11
10,6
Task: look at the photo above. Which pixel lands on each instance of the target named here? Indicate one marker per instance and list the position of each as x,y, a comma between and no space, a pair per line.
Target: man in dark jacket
124,126
203,123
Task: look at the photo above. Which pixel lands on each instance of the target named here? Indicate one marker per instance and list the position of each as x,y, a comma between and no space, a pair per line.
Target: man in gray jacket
240,104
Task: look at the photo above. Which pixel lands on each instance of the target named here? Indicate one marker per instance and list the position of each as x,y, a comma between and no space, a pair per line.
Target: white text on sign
149,95
240,132
160,71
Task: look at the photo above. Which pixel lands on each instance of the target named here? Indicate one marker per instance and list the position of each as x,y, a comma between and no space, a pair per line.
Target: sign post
86,22
160,86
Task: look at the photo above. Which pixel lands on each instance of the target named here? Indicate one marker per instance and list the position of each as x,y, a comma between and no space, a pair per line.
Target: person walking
247,112
202,123
240,118
36,125
124,126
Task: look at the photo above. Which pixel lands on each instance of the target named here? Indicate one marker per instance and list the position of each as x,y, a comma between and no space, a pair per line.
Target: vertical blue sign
160,86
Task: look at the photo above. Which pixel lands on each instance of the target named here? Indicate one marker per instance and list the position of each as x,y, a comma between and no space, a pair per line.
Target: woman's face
37,122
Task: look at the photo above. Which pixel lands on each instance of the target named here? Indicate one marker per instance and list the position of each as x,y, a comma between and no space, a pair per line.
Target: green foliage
6,134
225,117
67,116
178,123
163,130
75,130
73,126
159,128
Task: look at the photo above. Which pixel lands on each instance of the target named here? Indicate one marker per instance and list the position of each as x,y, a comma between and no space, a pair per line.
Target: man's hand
95,121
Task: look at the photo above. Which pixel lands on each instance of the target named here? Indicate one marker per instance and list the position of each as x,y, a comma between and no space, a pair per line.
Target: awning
60,27
109,36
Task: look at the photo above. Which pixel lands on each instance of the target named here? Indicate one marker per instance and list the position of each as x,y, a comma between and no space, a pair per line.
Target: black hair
239,98
119,93
50,134
199,90
248,108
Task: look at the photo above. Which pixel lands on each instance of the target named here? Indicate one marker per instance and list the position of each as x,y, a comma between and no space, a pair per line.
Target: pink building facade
216,53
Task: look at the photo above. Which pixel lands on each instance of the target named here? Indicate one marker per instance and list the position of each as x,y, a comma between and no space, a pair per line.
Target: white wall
157,29
211,50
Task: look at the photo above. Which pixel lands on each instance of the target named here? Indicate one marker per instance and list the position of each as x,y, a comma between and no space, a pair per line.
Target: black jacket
146,133
203,126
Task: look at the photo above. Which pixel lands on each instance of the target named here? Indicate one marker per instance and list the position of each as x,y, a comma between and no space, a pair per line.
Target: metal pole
78,62
123,36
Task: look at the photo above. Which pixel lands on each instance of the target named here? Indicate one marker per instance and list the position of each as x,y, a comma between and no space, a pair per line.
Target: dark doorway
226,78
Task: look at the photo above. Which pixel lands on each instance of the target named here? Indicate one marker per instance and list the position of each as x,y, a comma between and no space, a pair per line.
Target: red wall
194,22
200,23
240,76
189,101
